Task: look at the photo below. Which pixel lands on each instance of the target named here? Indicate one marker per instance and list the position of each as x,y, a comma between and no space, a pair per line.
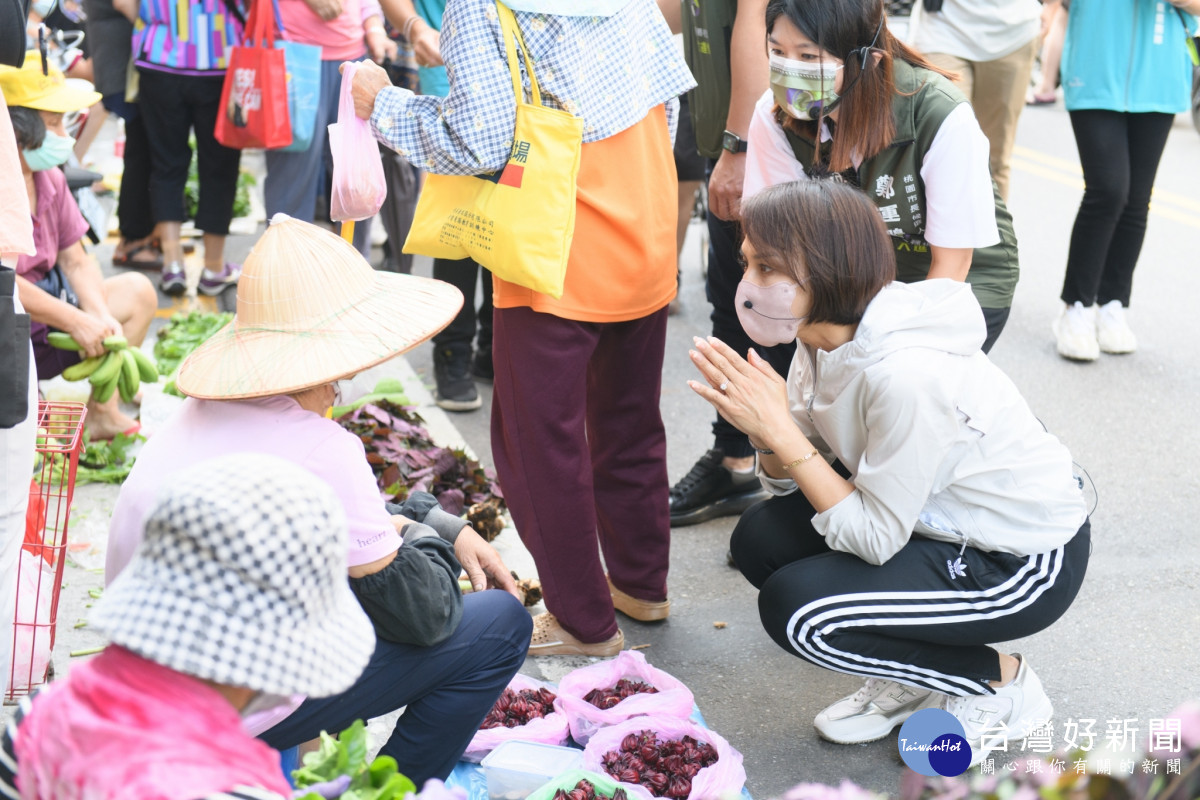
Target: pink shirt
204,429
16,227
341,39
57,224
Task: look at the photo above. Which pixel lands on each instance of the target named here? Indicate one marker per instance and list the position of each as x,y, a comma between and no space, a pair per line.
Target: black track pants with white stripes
924,618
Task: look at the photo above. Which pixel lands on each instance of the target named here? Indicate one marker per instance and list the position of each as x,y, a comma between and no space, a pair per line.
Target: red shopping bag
254,104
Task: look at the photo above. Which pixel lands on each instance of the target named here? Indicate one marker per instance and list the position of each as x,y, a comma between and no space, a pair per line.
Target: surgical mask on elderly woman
766,312
55,150
802,89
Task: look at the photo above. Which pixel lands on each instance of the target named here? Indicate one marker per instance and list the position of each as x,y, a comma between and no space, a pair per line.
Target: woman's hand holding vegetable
483,564
90,331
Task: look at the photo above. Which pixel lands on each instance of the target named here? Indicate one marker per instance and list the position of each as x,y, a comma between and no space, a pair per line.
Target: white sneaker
871,712
1020,707
1075,330
1112,330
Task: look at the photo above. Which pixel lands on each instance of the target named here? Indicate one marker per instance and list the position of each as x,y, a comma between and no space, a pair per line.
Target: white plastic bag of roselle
626,686
666,757
524,698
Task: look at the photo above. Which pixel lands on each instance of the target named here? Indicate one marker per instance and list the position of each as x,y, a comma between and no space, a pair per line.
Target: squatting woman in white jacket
920,510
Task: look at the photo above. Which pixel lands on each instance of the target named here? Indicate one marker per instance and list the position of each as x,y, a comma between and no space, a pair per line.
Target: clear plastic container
515,769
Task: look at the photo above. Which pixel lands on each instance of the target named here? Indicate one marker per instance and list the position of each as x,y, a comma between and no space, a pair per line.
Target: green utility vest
892,179
707,30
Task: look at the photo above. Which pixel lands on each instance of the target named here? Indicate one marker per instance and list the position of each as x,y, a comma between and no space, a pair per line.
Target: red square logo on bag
512,176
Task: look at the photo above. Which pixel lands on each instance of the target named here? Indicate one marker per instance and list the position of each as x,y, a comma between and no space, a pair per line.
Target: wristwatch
733,143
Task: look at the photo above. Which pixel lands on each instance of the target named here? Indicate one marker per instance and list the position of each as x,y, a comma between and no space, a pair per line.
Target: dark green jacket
707,30
922,102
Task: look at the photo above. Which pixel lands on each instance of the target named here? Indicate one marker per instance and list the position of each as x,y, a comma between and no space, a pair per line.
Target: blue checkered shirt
611,71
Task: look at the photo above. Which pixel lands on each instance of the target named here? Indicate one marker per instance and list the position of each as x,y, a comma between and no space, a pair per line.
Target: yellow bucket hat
29,88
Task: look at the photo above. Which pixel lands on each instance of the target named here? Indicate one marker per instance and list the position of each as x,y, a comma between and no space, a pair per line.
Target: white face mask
804,89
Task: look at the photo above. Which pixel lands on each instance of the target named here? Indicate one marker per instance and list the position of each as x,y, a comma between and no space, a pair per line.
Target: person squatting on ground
310,312
893,126
61,285
724,45
920,509
581,457
990,46
236,596
179,96
1126,73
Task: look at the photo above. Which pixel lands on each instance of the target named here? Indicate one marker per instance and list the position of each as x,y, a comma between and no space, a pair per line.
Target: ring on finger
724,385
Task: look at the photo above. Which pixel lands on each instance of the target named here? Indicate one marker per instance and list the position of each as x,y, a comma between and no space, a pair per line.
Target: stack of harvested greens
344,760
405,459
182,334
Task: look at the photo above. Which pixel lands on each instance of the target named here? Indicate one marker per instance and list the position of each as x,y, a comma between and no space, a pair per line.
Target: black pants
924,618
174,106
1119,153
462,274
133,204
724,275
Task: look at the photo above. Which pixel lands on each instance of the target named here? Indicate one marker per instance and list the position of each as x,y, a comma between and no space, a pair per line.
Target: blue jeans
447,688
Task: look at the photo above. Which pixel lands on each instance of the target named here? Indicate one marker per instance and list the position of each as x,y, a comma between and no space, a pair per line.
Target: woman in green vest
893,125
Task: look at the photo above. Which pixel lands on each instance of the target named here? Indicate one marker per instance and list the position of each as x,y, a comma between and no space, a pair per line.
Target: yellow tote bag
517,222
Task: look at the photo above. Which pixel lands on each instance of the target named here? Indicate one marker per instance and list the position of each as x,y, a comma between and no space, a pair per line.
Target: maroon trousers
580,453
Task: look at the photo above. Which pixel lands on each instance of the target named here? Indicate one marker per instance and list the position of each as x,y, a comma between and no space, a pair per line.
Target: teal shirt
1127,55
433,79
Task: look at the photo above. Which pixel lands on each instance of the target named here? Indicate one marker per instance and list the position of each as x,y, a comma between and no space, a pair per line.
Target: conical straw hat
311,310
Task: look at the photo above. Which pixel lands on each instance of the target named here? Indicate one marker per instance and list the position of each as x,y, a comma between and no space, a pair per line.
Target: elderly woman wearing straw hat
235,596
311,311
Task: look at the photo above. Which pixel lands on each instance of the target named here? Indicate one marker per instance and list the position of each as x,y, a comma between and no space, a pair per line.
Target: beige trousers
996,90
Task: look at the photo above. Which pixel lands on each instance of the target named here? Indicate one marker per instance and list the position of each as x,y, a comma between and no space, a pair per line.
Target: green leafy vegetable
347,755
100,462
182,334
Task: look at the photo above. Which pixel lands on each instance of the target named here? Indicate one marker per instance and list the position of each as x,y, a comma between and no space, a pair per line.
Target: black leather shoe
710,490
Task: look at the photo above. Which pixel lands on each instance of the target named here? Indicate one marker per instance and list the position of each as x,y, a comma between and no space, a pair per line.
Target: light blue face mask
43,7
55,150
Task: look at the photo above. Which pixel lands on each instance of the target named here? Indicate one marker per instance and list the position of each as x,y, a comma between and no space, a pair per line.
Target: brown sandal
129,259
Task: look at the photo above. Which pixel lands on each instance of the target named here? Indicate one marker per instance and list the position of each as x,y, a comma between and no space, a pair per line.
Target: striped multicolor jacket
187,37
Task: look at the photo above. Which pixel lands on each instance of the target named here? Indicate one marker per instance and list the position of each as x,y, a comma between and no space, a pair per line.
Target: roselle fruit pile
607,698
664,767
584,790
515,709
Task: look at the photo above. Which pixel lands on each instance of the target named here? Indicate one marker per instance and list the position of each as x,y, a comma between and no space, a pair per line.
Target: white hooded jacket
937,439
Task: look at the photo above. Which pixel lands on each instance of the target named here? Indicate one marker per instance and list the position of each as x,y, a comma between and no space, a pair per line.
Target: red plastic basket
43,555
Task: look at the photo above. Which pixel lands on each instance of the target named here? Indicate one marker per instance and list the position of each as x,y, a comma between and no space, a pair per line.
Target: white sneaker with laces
1112,330
871,712
1020,707
1075,332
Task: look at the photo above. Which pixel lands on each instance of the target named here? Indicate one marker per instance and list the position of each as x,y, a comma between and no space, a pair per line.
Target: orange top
622,261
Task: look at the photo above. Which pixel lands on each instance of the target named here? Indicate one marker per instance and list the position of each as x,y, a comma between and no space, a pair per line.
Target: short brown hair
830,236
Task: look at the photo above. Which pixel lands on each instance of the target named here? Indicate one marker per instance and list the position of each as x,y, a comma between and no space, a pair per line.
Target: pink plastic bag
550,729
359,186
673,698
724,778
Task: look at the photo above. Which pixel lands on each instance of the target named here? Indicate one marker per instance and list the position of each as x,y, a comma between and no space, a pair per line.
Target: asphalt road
1126,649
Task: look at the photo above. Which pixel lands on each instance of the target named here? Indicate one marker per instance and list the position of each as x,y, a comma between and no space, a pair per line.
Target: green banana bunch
104,377
130,378
122,368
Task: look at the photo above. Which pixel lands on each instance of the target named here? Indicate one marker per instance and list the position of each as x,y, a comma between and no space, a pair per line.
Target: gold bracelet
800,460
